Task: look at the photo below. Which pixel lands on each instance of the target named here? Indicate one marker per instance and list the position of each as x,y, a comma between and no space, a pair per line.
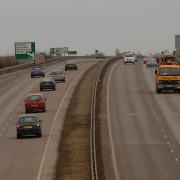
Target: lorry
167,74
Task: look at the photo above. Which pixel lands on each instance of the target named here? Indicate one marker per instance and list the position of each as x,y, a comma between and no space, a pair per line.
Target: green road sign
58,51
72,52
25,50
55,51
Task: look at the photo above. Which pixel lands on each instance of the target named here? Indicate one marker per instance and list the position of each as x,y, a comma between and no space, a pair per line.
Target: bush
7,61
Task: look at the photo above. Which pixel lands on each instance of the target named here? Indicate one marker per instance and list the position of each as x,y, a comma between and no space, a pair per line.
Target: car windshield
34,98
56,73
169,71
152,60
129,55
27,120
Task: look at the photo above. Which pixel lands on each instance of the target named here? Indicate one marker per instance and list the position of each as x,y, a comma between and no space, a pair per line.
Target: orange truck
168,74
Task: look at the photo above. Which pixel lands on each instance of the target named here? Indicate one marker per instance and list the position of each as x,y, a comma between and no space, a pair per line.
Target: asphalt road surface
141,129
28,158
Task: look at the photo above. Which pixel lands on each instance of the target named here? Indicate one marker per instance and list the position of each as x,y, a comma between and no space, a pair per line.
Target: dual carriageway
138,130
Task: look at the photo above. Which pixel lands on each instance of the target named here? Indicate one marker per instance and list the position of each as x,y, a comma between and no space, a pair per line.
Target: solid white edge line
52,127
110,130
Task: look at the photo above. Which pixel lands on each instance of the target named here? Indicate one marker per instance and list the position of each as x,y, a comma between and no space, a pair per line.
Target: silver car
47,83
58,75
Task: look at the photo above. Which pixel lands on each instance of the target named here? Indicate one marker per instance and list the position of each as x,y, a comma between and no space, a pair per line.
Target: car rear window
27,120
36,69
34,98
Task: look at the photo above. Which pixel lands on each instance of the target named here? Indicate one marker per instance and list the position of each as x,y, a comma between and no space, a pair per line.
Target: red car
35,102
71,65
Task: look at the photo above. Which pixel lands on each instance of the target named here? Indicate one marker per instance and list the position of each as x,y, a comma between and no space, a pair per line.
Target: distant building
177,44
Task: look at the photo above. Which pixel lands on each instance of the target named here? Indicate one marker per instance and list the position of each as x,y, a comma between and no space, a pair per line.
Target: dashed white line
131,114
165,136
176,159
162,130
3,129
168,143
172,150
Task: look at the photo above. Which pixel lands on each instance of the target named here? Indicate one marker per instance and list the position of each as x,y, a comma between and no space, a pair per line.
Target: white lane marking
165,136
3,129
7,124
131,114
110,130
176,159
52,127
168,143
162,130
172,150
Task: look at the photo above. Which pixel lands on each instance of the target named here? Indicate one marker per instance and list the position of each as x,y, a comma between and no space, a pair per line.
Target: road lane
145,146
20,159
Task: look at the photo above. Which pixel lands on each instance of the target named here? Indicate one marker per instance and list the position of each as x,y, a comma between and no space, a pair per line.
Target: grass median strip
74,149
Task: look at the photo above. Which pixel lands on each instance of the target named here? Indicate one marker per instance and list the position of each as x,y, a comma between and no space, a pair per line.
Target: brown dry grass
7,61
74,150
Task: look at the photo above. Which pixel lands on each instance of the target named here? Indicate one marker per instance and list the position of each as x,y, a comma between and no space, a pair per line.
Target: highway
140,129
33,158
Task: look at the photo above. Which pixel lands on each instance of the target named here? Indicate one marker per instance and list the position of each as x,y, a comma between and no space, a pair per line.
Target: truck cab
129,58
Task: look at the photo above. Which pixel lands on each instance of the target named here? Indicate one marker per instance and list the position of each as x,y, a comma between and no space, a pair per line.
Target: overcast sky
86,25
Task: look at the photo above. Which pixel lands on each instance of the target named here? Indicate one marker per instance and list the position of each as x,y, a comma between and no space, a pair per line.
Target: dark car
35,102
151,63
28,125
71,65
48,84
37,72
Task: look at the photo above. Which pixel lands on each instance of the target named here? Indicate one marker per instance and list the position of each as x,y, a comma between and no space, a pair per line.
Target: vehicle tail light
17,126
27,102
38,125
178,82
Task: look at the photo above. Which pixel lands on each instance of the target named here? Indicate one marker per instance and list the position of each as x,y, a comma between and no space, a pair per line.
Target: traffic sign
25,50
72,52
64,50
58,51
55,51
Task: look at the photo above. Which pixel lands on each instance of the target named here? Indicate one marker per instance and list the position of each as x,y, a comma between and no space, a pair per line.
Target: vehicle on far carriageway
129,57
151,63
168,74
